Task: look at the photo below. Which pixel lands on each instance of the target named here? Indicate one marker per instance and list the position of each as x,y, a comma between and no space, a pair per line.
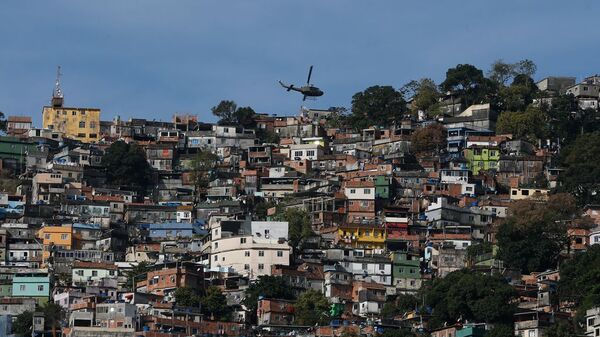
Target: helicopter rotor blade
309,74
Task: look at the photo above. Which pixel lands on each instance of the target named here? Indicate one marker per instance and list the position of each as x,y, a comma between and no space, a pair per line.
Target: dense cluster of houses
385,218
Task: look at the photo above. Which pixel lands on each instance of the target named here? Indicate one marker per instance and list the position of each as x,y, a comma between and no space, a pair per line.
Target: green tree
469,82
563,329
530,124
582,174
23,324
377,105
431,138
299,225
501,72
54,314
401,304
134,274
311,308
214,305
518,95
266,287
500,330
187,297
202,170
245,117
478,249
471,296
525,67
126,165
533,236
229,114
266,136
225,111
580,280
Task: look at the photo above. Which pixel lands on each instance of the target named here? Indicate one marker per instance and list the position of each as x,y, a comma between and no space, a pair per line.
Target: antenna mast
57,94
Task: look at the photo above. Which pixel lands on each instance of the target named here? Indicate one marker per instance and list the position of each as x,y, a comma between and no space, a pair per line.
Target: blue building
172,230
32,285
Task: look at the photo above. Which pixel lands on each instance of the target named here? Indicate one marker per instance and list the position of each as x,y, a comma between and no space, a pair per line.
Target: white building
249,248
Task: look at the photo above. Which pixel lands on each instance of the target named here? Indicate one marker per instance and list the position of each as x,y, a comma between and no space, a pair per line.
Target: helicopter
308,90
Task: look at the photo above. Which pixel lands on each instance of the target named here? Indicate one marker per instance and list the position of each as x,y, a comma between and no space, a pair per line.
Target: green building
383,185
482,158
471,331
13,152
406,271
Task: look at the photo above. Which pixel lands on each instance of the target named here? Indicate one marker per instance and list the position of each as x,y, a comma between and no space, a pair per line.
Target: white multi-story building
249,248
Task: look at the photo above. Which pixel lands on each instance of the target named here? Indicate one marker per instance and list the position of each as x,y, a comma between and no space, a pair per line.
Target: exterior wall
249,257
526,193
83,275
360,193
79,123
31,286
479,158
62,237
363,236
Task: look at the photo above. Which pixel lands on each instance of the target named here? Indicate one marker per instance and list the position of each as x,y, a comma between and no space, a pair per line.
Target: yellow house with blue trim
355,235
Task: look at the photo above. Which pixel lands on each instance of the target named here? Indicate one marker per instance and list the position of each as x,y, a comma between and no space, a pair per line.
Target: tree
229,114
518,95
299,225
501,72
563,329
266,287
141,268
23,324
214,305
582,174
431,138
187,297
3,122
245,117
311,308
389,332
471,296
530,124
403,303
54,314
266,136
126,165
500,330
201,172
478,249
225,110
469,82
525,67
533,236
424,93
377,105
580,280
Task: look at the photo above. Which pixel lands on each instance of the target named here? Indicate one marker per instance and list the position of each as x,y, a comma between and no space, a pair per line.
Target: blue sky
149,58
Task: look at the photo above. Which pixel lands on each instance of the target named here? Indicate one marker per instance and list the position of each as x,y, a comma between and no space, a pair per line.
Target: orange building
55,236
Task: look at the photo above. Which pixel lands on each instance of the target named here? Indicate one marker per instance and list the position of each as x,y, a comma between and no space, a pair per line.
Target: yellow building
58,236
82,124
362,235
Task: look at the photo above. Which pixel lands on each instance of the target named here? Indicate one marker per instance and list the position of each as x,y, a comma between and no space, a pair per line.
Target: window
247,253
81,124
525,192
279,253
216,258
367,233
81,135
22,287
41,287
63,236
74,113
216,245
514,192
364,266
367,191
93,135
242,240
352,191
381,266
310,153
261,266
93,125
261,253
94,273
246,267
47,236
